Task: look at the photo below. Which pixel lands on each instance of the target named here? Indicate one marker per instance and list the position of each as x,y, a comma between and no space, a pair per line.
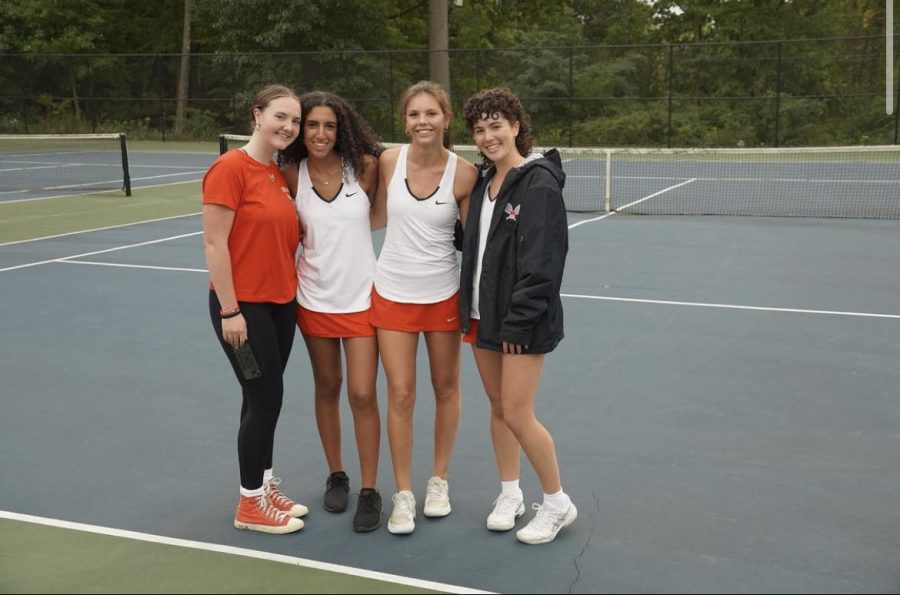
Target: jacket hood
550,161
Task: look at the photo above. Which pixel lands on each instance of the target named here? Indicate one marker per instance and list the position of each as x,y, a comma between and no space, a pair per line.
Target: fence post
162,98
571,94
234,127
391,114
778,94
897,110
90,103
477,70
669,75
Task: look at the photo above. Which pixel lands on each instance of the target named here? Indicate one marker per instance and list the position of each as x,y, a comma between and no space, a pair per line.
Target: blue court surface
725,408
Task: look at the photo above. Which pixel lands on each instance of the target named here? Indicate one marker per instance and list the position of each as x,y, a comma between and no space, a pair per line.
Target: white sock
252,493
267,475
559,500
511,488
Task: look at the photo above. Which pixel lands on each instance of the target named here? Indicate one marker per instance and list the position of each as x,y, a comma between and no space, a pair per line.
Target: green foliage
92,65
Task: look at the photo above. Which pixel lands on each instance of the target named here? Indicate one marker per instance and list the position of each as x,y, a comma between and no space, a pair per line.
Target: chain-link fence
786,93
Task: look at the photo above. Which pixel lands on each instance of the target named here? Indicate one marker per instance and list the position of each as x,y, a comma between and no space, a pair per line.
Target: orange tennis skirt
473,331
334,326
415,318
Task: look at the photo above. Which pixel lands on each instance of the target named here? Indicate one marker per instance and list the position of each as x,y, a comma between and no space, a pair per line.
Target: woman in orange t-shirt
250,237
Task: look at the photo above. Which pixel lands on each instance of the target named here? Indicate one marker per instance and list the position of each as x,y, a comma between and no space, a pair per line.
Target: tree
184,72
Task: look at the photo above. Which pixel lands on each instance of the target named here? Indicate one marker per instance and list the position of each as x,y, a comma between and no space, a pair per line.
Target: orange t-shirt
265,233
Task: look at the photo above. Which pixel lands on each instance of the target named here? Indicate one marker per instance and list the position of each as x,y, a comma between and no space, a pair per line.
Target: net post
126,183
223,144
608,185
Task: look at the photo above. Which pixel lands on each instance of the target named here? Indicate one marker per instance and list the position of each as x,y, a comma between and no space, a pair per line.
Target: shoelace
545,518
506,505
434,489
404,504
266,508
337,480
275,494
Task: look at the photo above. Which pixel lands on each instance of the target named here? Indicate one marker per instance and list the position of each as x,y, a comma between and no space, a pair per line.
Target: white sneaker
506,510
403,518
437,498
546,524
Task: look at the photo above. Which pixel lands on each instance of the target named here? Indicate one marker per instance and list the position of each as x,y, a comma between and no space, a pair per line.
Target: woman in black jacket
514,251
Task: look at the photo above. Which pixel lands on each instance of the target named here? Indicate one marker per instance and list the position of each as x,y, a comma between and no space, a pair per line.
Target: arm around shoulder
386,164
466,176
290,173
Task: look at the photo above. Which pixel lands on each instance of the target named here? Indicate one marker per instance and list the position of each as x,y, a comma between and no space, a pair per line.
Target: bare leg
398,355
325,359
362,370
506,447
443,357
521,375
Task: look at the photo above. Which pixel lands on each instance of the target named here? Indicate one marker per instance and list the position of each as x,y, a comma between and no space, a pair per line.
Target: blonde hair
436,91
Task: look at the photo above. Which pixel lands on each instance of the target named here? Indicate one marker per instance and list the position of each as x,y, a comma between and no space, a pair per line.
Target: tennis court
724,406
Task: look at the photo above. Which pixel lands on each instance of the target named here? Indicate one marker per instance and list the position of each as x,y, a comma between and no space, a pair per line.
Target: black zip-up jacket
523,260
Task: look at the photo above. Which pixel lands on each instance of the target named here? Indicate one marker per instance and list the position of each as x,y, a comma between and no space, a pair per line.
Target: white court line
133,266
133,166
730,306
759,180
65,258
631,204
236,551
72,233
3,202
184,173
565,295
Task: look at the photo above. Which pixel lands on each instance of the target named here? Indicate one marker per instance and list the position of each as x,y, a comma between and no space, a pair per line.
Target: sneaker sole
436,513
570,517
401,529
291,527
367,529
296,512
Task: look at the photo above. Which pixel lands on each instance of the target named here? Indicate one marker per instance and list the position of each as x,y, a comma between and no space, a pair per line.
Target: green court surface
47,559
39,218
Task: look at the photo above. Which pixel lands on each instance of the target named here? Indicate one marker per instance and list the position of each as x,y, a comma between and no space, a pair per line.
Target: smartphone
247,362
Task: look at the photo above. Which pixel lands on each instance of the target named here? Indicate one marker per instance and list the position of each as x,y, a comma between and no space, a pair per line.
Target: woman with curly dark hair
332,170
514,252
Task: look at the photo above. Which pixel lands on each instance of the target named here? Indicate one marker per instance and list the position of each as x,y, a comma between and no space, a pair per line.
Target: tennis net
48,164
841,182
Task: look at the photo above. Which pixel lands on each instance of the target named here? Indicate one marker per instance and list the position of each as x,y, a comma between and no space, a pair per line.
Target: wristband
229,313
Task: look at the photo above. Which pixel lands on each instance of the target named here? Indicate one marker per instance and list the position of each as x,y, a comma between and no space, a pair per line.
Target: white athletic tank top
336,266
484,226
418,263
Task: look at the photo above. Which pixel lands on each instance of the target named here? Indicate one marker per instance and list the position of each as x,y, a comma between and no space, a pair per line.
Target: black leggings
270,332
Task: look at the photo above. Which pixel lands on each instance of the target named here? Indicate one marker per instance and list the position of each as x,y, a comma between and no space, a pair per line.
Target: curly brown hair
355,138
492,103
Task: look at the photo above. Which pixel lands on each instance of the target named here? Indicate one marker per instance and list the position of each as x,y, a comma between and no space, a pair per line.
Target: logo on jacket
511,213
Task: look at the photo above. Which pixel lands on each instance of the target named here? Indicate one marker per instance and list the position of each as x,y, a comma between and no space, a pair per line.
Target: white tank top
418,263
337,264
484,226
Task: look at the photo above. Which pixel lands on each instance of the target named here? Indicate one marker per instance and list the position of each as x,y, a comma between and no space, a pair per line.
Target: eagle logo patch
511,213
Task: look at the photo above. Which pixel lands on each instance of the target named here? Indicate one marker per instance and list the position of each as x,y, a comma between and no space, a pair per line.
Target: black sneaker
337,492
368,511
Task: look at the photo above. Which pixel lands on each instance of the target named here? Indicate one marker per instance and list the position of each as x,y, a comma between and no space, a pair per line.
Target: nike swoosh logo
451,319
437,202
354,193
